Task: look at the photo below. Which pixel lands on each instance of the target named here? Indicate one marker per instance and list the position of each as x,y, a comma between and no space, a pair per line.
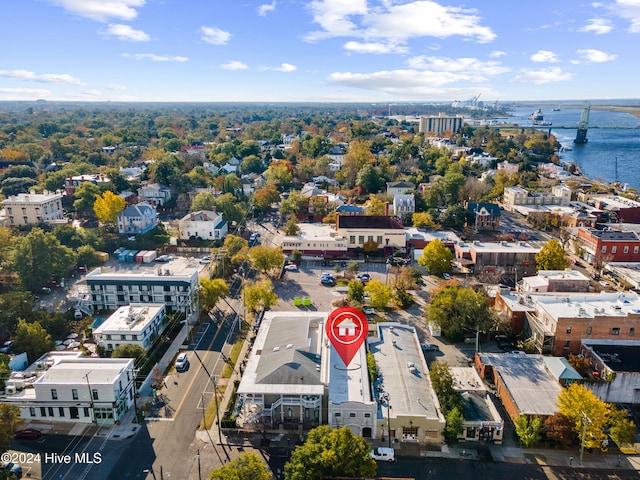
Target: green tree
265,197
294,203
454,425
129,350
459,311
622,428
356,291
259,295
369,179
442,381
203,201
38,257
107,206
69,236
551,256
330,453
266,258
528,429
379,294
372,368
85,196
292,228
87,256
228,205
9,421
587,411
436,257
211,291
32,339
13,306
247,466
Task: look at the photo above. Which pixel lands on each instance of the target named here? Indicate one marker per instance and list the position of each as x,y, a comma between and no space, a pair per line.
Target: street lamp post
388,399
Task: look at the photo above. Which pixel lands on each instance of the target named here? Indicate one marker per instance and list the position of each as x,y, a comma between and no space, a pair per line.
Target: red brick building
603,246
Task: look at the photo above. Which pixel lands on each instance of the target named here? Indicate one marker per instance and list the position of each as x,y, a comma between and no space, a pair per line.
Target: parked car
45,290
28,434
364,277
14,468
82,269
369,311
164,258
430,347
292,267
182,362
330,281
205,260
446,276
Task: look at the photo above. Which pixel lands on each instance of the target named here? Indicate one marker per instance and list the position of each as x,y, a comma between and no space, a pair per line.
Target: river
605,148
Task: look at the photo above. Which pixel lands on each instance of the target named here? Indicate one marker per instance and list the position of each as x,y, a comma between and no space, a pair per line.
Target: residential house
154,194
481,158
137,219
66,387
72,183
408,408
231,166
134,324
387,232
203,225
483,216
508,167
350,210
33,208
399,188
404,205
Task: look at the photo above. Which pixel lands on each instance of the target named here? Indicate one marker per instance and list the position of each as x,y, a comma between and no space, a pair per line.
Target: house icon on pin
346,328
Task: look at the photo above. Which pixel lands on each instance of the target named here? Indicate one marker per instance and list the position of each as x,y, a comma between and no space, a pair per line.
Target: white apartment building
203,225
137,324
33,208
66,387
441,123
178,291
521,200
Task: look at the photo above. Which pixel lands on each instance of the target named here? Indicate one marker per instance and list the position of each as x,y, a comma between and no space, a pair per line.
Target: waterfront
596,158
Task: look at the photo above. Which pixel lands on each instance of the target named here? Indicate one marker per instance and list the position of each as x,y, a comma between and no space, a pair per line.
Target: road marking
193,379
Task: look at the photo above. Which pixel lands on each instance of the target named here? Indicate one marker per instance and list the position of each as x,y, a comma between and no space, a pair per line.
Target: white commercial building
66,387
137,324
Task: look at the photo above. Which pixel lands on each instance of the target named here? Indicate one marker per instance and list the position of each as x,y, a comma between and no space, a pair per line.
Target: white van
383,454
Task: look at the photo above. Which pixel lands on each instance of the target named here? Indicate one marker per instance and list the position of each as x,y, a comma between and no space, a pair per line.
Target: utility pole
585,420
86,377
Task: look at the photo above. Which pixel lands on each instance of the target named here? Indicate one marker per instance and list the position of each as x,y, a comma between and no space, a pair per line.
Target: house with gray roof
137,219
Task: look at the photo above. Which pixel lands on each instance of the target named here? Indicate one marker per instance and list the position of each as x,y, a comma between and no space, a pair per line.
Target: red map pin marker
346,327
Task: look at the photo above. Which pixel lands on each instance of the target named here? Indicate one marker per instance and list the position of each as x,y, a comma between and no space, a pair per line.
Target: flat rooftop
349,384
414,233
73,371
133,317
513,247
618,355
614,202
533,390
316,231
404,372
589,305
181,267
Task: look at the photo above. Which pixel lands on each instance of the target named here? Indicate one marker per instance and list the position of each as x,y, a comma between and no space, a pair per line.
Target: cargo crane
583,124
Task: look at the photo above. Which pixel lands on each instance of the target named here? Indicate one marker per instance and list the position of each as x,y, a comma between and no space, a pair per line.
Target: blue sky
318,50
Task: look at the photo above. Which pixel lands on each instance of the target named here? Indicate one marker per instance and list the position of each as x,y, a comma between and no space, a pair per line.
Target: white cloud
125,32
596,56
42,78
539,77
285,67
214,36
598,26
629,10
23,93
91,94
374,47
102,10
390,80
266,8
395,23
154,57
461,65
544,56
115,86
497,54
234,65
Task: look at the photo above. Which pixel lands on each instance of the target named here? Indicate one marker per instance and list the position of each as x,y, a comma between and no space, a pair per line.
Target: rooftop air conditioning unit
10,390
